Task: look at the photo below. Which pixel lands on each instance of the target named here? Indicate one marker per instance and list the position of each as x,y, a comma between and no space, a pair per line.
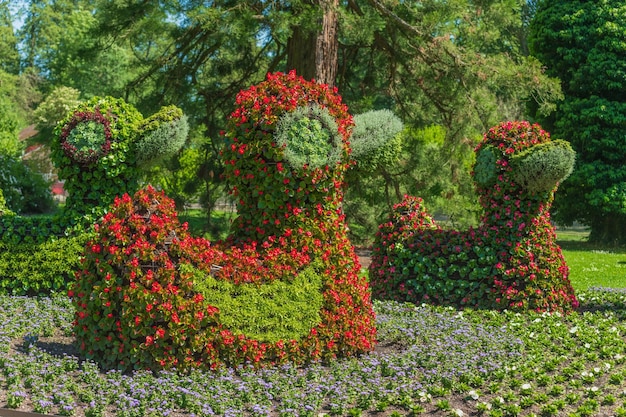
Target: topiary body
285,286
512,260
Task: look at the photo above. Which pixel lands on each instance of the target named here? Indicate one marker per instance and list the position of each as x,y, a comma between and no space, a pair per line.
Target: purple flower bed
428,360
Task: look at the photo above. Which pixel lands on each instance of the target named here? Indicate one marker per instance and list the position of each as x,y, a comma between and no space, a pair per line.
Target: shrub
512,260
375,140
39,268
25,191
164,133
284,286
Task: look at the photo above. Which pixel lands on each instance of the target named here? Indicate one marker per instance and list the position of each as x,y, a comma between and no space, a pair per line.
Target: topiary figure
101,145
512,260
284,287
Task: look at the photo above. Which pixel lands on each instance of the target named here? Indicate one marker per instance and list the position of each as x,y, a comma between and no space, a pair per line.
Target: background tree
312,49
9,57
455,67
582,43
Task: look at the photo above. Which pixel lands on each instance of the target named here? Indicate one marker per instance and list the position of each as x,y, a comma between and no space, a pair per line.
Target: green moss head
309,137
540,168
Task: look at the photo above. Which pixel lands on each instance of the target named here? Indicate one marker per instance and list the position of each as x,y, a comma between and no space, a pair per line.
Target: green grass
216,229
592,265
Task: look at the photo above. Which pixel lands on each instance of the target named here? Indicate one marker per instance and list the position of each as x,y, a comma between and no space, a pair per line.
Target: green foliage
39,268
375,141
310,137
25,191
163,134
588,58
485,168
510,262
372,192
55,107
9,121
540,167
281,310
4,210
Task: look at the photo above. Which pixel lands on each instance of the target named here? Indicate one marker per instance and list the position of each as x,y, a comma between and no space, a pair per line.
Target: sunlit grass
592,265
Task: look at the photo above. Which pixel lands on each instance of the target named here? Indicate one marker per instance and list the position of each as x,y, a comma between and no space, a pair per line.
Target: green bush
163,134
544,165
280,310
4,210
39,268
375,139
25,191
511,261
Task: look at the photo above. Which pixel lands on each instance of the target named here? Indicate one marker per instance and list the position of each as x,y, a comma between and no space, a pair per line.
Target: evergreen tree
582,43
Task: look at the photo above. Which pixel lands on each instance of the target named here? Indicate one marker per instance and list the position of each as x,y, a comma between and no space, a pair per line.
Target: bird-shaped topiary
285,286
101,147
511,261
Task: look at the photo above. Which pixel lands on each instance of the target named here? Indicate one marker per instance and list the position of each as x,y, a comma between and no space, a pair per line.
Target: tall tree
9,57
312,49
582,43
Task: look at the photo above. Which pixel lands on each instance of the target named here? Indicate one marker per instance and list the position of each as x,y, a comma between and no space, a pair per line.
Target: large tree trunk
314,54
609,230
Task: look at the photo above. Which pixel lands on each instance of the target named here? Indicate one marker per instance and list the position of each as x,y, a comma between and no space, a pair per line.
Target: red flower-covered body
168,294
512,260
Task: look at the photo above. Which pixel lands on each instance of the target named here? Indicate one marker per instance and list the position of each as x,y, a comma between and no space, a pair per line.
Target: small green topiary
99,147
375,139
164,133
539,168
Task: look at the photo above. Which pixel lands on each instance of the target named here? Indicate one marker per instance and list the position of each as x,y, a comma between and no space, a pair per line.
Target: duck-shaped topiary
285,286
511,261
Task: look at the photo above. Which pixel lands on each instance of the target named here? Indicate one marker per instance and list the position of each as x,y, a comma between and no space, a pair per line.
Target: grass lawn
429,361
592,266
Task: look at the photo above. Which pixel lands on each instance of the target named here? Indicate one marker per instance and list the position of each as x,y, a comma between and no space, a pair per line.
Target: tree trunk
609,230
313,54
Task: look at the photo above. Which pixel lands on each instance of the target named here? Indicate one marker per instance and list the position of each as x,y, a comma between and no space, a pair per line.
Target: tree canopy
582,43
458,65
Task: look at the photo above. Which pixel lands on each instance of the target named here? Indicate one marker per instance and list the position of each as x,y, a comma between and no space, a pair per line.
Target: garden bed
431,361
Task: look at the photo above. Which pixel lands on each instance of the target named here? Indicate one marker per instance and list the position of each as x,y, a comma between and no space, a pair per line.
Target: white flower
573,330
526,387
457,412
473,395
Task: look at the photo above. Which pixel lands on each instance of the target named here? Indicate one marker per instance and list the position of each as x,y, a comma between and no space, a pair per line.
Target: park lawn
592,265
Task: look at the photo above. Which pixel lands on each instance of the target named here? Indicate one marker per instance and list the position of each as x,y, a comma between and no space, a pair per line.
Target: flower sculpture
101,147
512,260
285,286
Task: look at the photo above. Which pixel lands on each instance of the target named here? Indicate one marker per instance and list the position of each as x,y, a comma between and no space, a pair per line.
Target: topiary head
286,150
518,155
101,145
